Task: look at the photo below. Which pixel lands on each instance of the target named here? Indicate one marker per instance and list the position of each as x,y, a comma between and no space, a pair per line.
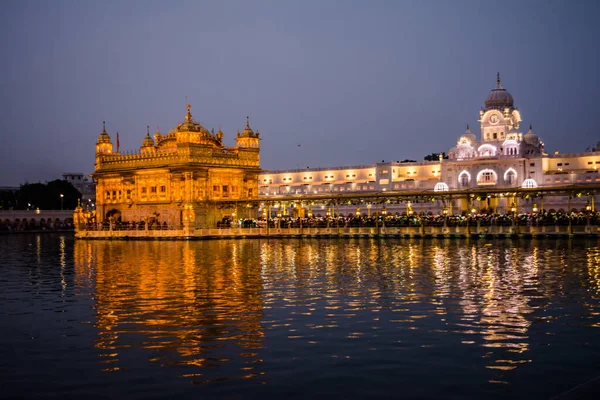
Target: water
298,318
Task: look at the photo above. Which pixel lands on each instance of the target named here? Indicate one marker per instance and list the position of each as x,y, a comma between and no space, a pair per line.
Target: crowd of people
543,218
119,225
32,225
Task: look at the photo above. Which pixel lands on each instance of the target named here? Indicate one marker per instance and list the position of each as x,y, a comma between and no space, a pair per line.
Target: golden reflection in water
593,269
61,255
182,305
196,298
38,249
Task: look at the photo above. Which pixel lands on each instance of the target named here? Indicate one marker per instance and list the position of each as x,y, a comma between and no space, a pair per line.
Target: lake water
299,318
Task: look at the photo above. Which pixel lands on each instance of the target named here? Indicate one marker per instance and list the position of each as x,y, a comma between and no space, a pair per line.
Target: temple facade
501,156
178,177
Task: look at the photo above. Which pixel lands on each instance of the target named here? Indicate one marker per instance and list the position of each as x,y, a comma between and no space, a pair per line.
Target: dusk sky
351,82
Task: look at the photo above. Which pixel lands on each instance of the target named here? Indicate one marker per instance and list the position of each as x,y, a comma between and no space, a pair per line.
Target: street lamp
61,201
310,214
384,213
535,208
278,219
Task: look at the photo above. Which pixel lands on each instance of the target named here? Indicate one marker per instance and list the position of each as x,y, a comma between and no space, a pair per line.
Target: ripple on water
354,318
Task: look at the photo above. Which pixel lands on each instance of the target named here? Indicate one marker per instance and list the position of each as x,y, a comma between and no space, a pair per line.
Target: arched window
487,177
510,176
464,178
487,150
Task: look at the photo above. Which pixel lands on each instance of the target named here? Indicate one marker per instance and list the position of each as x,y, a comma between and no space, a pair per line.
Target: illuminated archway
464,178
510,176
487,150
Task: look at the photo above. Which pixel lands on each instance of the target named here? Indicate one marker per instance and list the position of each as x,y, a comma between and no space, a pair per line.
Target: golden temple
176,178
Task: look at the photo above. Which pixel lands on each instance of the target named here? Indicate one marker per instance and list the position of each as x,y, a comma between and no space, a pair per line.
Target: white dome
529,183
441,187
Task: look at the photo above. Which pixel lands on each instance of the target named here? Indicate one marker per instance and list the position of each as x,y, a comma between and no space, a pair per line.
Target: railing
175,232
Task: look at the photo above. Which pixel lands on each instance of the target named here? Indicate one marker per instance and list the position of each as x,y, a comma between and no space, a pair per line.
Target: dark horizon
327,83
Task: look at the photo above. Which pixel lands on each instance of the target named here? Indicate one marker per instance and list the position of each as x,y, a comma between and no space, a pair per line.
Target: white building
501,157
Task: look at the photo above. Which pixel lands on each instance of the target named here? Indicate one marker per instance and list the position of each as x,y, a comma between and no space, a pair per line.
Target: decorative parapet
228,156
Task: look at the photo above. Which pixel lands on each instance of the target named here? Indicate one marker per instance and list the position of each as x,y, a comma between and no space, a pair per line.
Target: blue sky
352,82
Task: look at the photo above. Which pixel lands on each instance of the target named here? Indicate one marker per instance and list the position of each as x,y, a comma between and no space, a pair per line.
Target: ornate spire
147,142
188,115
498,86
103,126
468,127
247,122
530,127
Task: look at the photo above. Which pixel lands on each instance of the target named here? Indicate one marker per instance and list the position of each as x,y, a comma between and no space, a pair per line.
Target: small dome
441,187
148,142
248,132
499,98
530,137
103,138
157,135
468,136
189,125
529,183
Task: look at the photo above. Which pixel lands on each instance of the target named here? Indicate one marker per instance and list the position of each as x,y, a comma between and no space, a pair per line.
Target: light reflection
62,262
176,302
191,303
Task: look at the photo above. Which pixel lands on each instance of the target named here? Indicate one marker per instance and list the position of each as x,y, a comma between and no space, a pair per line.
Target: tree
435,157
48,196
8,199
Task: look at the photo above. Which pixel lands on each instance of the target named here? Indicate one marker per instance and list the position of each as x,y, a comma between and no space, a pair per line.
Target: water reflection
183,303
259,309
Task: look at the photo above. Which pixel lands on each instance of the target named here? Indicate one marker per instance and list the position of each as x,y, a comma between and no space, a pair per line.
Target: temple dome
530,137
468,136
499,98
189,125
103,138
148,142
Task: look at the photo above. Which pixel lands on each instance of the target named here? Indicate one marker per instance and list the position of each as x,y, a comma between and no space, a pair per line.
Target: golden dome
148,142
104,138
